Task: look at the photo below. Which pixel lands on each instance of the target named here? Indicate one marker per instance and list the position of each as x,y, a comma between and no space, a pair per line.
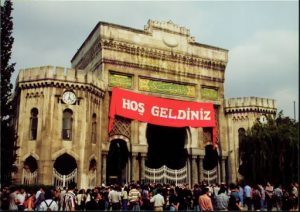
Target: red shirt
205,203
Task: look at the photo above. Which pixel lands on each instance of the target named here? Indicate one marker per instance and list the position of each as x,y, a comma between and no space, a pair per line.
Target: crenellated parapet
250,104
51,76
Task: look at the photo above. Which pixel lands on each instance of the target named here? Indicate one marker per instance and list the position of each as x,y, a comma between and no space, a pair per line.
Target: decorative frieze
161,70
59,84
171,88
120,80
34,94
209,93
162,54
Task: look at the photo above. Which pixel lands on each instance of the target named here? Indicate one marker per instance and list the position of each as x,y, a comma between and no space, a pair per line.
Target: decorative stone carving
172,88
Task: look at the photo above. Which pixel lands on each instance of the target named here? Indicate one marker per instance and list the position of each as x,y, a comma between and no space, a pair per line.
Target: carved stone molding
161,54
161,70
62,84
34,94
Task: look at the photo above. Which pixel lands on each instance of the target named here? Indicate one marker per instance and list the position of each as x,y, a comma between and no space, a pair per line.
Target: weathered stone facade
162,60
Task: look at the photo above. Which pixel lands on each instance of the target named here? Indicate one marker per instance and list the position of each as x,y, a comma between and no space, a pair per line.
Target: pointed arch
63,151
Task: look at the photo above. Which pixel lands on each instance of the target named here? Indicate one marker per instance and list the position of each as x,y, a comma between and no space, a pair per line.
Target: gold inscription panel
209,93
171,88
118,80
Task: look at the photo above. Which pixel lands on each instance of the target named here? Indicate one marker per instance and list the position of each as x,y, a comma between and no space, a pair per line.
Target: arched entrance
30,171
210,163
92,173
116,161
166,147
64,170
167,156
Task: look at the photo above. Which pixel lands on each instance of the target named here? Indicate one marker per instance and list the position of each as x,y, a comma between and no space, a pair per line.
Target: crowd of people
158,197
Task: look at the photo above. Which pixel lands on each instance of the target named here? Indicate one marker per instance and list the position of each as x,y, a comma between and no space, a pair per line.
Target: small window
33,123
67,124
94,129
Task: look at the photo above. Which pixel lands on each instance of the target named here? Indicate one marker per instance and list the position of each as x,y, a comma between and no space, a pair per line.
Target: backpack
48,206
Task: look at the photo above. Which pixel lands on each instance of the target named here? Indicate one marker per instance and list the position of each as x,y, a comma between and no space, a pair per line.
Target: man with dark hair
48,204
134,198
221,200
158,200
96,203
196,194
114,198
69,201
205,201
39,197
234,199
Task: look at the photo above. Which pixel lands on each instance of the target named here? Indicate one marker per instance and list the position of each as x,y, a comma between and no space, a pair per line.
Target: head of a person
232,186
222,190
159,190
48,194
205,190
72,185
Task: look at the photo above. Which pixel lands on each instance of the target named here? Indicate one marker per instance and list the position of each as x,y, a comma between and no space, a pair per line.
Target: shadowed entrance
116,161
65,164
166,147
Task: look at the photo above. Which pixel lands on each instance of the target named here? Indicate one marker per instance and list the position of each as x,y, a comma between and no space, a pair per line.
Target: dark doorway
210,160
116,161
30,164
65,164
166,147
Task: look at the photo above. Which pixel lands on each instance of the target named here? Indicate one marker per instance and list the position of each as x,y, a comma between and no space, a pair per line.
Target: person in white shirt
21,198
158,201
48,202
13,200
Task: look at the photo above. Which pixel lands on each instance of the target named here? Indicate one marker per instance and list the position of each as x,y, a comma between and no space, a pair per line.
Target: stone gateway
62,114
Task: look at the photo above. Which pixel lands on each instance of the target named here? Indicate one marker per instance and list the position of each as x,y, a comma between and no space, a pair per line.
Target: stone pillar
45,172
194,170
135,167
219,172
223,168
129,176
143,167
104,168
201,177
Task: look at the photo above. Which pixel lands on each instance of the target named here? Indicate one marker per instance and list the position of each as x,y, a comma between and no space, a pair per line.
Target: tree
8,134
269,152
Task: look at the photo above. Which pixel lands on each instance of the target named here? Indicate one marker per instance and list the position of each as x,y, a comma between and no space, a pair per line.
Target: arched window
33,123
94,129
67,124
242,134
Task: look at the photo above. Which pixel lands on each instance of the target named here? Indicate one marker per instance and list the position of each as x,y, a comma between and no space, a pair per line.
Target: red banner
160,111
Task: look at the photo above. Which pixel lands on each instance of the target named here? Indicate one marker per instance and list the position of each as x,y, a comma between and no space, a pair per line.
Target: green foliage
269,152
8,135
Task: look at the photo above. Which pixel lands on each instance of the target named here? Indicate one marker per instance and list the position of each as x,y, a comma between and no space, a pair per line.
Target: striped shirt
134,195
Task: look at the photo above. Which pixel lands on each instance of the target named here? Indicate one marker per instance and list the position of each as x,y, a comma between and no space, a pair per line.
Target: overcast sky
262,37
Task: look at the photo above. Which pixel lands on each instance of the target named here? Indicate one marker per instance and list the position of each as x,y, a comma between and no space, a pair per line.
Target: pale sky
262,37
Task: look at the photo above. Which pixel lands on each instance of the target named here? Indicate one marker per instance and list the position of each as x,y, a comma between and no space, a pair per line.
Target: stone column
219,177
194,170
223,168
201,169
135,167
143,167
45,172
104,168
